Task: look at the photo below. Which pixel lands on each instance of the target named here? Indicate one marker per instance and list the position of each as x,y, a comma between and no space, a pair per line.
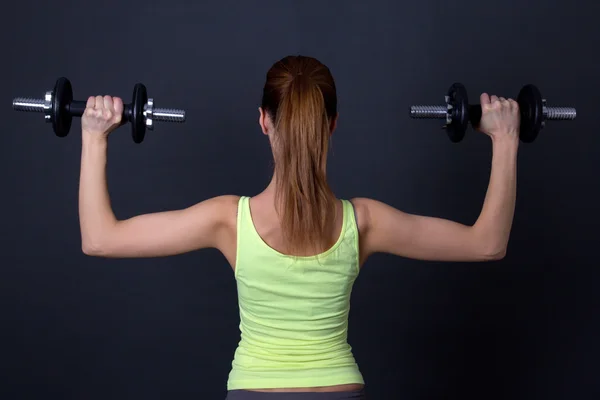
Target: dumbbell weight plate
61,118
458,98
532,112
138,121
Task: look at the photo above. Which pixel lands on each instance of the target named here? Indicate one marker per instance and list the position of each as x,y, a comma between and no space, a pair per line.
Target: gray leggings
249,395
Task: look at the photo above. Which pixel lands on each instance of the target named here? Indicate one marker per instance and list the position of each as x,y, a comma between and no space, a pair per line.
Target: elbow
494,253
90,249
93,247
97,242
489,246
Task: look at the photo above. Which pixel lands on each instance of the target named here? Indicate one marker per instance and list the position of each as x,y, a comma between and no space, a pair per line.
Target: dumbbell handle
440,112
77,108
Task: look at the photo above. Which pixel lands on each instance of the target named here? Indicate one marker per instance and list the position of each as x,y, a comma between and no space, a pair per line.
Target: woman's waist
351,388
290,351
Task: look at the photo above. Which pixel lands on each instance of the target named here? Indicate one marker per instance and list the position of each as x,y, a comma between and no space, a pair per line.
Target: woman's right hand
102,115
500,117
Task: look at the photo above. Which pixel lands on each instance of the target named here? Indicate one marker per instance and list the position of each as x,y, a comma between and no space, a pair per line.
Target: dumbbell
59,108
458,112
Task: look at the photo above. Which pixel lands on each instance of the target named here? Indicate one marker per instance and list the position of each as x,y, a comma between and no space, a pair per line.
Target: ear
262,120
333,124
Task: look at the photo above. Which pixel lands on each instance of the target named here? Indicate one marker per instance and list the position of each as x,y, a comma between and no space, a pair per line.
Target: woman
295,248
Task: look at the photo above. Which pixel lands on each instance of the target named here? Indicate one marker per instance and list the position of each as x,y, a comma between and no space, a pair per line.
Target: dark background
75,327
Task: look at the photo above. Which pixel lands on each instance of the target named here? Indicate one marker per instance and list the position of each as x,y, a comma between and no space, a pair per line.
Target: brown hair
300,98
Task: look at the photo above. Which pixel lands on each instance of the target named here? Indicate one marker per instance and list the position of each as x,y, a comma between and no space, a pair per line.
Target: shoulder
362,211
224,204
219,203
217,218
381,226
364,207
365,211
370,213
220,210
226,201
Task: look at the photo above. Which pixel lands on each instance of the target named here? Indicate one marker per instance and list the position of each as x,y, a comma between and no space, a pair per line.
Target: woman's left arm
203,225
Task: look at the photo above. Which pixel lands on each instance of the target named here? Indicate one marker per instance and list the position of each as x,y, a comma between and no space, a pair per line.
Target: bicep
169,232
389,230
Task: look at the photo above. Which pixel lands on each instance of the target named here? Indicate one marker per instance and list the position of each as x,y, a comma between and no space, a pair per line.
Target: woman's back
267,223
293,308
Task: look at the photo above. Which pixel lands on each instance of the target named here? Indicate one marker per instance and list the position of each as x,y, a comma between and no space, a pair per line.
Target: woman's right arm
384,229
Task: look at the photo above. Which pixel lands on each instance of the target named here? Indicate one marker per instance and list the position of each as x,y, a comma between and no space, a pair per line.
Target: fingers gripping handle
77,108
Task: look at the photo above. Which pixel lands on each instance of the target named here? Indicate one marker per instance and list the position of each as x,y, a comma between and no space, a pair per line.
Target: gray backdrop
75,327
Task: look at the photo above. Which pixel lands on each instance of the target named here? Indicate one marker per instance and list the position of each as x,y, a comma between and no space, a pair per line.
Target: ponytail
304,200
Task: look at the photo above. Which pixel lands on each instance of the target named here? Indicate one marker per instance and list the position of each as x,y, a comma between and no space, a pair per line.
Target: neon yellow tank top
294,311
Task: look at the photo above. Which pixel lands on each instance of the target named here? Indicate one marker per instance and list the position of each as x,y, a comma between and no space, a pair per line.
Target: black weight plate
532,112
62,97
460,112
138,122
